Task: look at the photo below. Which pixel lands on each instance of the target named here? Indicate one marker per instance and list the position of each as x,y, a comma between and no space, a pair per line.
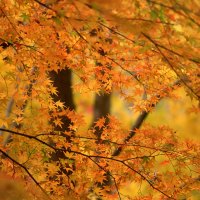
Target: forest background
99,99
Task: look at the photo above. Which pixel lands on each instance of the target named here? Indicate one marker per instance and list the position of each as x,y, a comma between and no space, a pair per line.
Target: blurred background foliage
178,113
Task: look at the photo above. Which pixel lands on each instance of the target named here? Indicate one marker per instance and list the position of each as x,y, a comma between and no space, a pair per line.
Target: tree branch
174,9
27,171
28,89
169,63
143,115
123,162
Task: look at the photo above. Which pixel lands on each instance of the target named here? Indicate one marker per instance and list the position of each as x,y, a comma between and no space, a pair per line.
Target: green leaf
95,6
145,48
57,20
161,15
154,14
44,155
25,17
61,13
70,161
145,159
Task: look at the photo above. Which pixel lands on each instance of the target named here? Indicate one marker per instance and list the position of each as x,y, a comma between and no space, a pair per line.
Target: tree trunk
62,80
101,109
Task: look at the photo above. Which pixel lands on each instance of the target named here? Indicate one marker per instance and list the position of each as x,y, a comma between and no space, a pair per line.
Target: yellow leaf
59,104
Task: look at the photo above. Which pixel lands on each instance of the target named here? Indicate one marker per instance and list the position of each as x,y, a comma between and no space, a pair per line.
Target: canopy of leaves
141,51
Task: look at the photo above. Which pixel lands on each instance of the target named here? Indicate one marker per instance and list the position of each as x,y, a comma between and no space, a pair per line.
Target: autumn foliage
53,53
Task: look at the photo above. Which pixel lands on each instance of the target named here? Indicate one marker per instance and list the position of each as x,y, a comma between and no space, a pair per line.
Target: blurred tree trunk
101,109
62,80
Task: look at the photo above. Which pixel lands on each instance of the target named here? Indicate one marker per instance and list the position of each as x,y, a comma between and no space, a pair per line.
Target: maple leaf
98,191
100,123
18,120
121,53
58,122
4,123
73,127
59,104
100,179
